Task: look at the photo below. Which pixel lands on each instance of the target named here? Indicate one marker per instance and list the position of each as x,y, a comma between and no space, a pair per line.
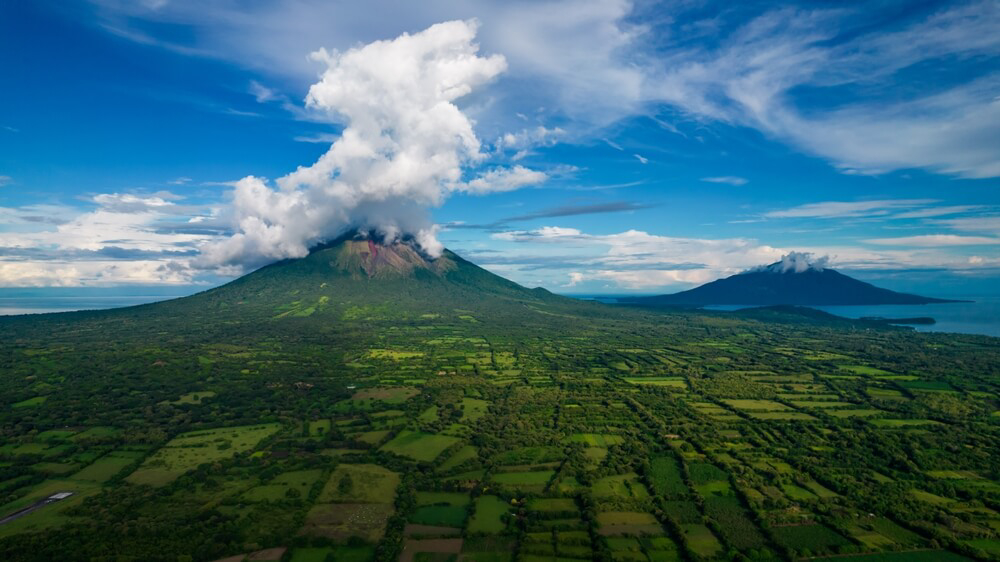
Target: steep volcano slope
351,276
773,286
347,285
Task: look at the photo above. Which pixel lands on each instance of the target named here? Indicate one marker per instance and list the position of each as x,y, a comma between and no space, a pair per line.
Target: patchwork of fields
446,440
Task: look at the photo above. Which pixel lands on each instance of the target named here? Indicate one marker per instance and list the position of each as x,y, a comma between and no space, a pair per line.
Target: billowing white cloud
405,147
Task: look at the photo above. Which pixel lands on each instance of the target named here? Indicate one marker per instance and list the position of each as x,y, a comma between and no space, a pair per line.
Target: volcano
356,279
777,285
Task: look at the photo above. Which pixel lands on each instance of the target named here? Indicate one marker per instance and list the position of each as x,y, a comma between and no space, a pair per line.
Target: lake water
979,317
38,305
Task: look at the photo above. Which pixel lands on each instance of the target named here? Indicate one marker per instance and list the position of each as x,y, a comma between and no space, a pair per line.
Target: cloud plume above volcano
406,146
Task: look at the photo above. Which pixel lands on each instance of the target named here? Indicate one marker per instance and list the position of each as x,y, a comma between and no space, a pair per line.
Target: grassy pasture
756,405
388,395
372,437
487,517
799,416
36,401
319,427
855,413
466,453
55,435
930,498
991,546
96,433
430,415
277,489
616,523
903,423
55,468
360,483
418,445
393,354
953,474
552,504
620,486
821,404
454,499
527,480
594,439
675,382
104,468
595,455
820,490
798,493
701,540
863,370
473,409
188,450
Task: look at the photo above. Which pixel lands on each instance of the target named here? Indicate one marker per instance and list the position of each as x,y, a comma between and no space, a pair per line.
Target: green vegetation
419,446
488,515
360,483
189,450
349,413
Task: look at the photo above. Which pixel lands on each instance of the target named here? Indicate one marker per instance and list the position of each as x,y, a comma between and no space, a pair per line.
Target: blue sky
584,146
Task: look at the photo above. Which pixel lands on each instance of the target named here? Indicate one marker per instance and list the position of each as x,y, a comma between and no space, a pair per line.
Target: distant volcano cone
776,284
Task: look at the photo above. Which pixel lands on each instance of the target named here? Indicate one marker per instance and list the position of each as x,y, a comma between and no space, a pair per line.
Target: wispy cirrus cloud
935,240
573,210
561,211
826,81
985,223
848,209
730,180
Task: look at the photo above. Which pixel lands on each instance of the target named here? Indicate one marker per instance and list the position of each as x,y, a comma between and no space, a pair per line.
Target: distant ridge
787,282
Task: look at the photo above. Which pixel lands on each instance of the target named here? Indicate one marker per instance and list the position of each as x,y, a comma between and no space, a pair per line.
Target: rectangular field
188,450
418,445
